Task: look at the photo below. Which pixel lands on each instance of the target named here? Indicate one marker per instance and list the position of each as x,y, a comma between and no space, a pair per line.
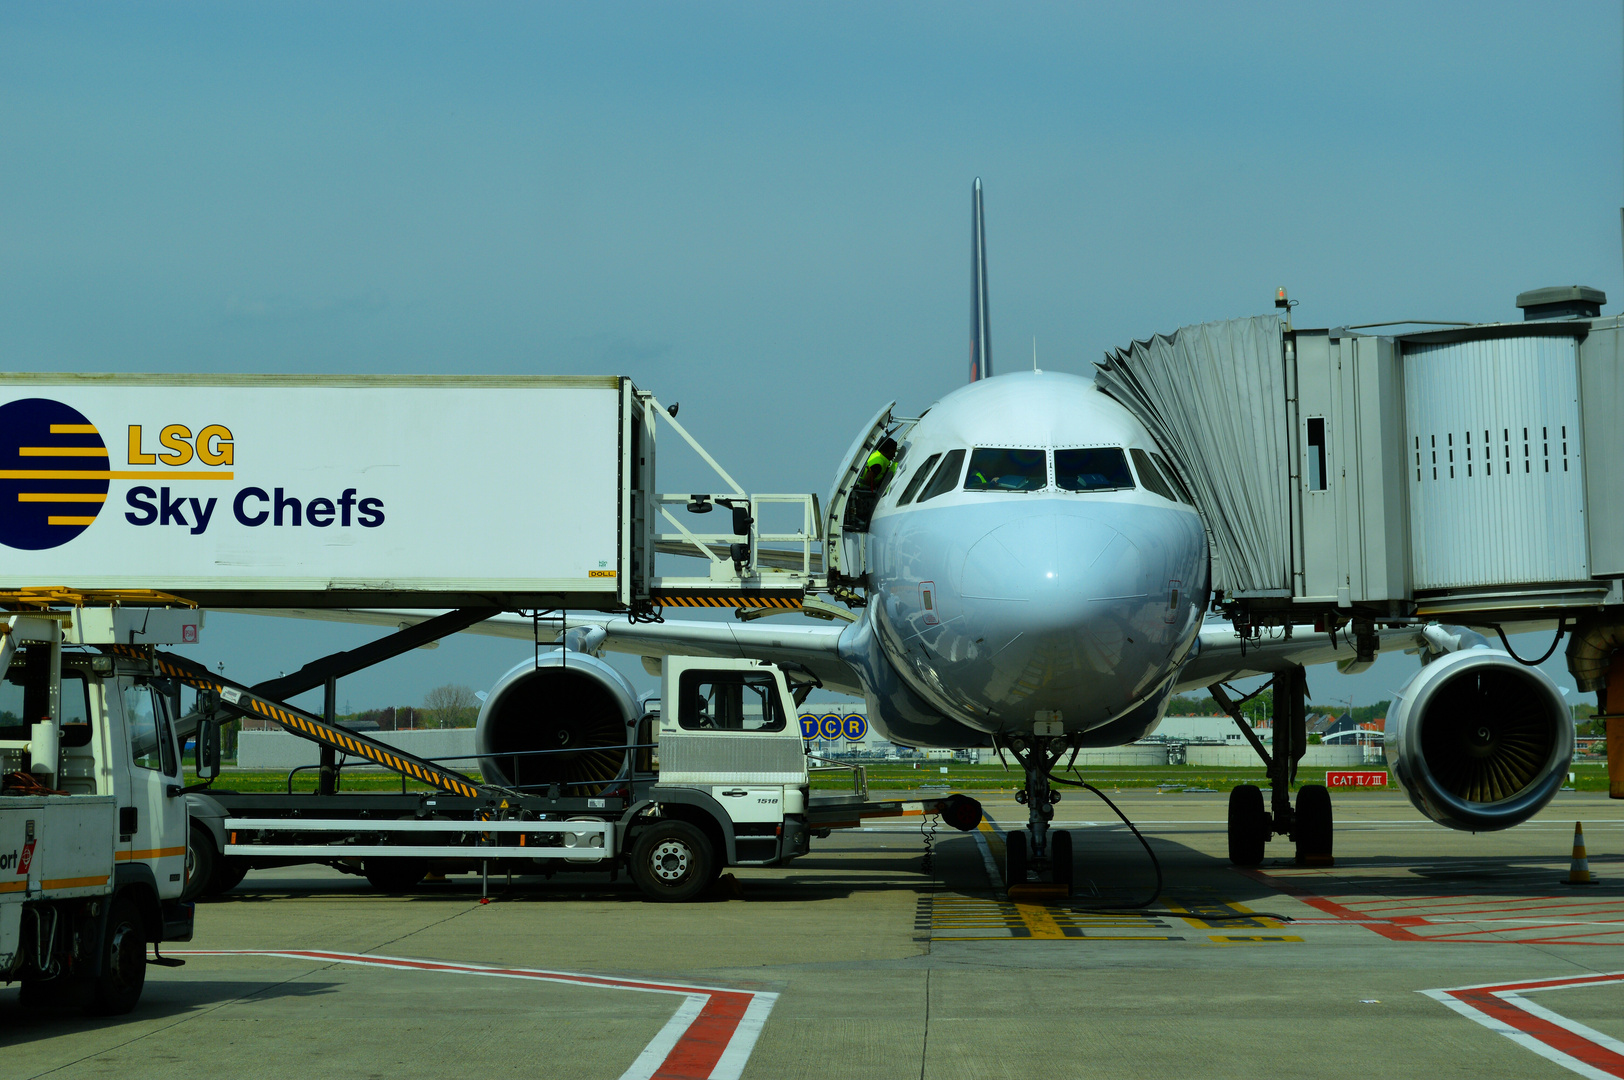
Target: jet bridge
1462,472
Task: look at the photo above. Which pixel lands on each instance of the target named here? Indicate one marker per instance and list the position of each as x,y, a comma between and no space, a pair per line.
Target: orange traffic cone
1579,870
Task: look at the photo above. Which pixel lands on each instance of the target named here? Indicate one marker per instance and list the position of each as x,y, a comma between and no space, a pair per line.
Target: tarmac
860,962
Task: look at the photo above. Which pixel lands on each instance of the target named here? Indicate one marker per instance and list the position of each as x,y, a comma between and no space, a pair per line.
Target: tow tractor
718,777
92,825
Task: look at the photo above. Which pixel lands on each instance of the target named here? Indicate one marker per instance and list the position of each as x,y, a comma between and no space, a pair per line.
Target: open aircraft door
849,504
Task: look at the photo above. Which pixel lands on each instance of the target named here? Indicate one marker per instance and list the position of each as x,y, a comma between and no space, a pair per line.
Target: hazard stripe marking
247,702
711,1035
1568,1043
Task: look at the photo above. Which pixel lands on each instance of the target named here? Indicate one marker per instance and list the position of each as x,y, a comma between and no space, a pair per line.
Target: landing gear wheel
124,962
1060,857
672,861
394,875
228,874
201,862
1313,832
1015,859
1248,825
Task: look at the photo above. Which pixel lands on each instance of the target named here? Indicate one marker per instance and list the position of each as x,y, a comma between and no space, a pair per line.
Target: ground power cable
1139,908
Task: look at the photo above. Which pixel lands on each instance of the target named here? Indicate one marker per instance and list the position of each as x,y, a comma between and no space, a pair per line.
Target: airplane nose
1051,565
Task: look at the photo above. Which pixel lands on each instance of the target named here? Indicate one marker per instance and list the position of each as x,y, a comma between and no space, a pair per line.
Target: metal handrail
859,777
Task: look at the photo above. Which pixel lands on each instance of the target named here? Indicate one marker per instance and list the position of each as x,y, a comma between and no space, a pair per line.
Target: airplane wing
1225,655
813,646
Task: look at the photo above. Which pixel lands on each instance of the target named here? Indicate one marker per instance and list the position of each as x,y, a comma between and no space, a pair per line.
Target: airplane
1038,581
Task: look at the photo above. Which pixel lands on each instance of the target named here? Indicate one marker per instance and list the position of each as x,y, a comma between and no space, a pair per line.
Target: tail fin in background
980,333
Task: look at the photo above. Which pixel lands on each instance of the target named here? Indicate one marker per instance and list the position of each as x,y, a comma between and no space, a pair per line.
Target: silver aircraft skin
997,608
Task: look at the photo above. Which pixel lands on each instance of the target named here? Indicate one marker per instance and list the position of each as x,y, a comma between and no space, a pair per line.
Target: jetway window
1007,470
947,476
730,701
1100,468
917,481
1149,477
1316,453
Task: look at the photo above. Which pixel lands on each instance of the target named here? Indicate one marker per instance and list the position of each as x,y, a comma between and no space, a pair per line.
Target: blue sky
762,210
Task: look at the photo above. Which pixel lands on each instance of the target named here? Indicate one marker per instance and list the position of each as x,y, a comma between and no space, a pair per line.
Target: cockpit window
1172,478
1098,468
947,476
1007,470
1150,477
918,480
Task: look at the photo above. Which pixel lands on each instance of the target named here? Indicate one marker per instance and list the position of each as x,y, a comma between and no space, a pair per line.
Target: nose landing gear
1038,849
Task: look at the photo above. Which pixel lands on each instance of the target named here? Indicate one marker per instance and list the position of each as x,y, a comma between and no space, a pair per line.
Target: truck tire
202,861
229,870
124,961
394,875
672,861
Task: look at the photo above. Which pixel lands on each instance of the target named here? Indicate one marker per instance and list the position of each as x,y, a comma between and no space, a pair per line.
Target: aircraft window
918,480
947,476
1172,477
1150,477
730,701
1099,468
1007,470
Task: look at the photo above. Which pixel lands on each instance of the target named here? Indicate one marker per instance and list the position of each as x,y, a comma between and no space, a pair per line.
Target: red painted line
713,1046
701,1047
1557,1038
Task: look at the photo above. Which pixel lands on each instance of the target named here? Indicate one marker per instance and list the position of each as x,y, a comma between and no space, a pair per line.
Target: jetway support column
1612,708
327,775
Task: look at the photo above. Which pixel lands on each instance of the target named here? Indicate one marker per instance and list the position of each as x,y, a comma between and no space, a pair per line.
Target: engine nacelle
572,705
1478,741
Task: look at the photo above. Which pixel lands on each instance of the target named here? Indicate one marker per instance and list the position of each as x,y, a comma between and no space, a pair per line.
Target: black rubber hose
1134,909
1561,629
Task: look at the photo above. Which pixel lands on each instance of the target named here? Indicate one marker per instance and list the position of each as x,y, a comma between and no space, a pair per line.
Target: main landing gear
1251,824
1038,851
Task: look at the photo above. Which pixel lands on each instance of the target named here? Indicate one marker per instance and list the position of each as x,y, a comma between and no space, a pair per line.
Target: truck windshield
730,701
1007,470
1097,468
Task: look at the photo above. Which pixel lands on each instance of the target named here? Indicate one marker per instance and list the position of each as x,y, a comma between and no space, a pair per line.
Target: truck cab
80,727
728,730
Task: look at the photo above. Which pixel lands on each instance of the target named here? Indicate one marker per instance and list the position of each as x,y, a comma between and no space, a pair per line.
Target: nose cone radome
1051,602
1051,563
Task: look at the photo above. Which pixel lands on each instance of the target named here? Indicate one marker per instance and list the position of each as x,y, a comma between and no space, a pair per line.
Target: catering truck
422,492
92,823
576,773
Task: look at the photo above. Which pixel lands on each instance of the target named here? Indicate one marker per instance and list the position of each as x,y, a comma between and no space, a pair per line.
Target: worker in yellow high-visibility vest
880,466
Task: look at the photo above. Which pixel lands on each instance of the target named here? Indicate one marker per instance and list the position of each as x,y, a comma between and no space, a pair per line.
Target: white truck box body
407,488
71,855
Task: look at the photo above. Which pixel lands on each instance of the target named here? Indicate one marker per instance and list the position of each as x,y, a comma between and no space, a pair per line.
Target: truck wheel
229,871
124,962
394,875
672,861
202,860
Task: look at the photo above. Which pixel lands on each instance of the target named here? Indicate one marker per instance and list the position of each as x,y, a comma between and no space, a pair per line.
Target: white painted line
710,1036
660,1047
1501,1007
994,878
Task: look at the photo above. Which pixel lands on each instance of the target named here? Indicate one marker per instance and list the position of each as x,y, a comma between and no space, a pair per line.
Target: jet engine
559,720
1478,741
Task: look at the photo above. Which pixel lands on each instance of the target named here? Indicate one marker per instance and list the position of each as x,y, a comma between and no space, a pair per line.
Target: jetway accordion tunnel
565,718
1464,473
